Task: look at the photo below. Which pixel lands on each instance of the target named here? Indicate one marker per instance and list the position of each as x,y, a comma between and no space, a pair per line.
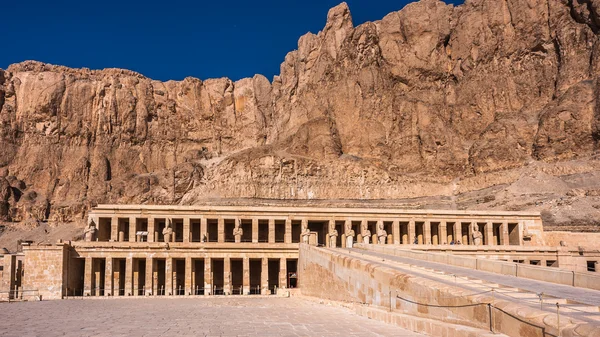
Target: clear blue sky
170,39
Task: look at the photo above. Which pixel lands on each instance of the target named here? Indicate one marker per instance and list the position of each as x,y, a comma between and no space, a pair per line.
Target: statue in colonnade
381,233
476,235
168,230
238,231
333,234
349,234
90,231
366,233
305,233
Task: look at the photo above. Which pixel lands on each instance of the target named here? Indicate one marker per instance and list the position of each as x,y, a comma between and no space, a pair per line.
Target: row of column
107,282
118,235
448,232
408,234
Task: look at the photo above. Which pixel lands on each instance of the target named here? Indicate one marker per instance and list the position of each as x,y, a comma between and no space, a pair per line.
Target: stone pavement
216,316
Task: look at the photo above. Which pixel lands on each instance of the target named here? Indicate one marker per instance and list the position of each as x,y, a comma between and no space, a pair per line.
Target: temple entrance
237,276
292,273
139,277
198,276
273,275
158,274
98,270
119,277
77,276
179,277
218,270
255,276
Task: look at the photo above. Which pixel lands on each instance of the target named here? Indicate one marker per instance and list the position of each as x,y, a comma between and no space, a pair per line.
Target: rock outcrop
432,102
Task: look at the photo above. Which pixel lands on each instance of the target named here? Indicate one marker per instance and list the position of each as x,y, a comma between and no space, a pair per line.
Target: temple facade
141,250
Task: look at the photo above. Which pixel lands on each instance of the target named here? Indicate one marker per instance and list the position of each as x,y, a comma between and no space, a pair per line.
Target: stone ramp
582,300
577,303
426,293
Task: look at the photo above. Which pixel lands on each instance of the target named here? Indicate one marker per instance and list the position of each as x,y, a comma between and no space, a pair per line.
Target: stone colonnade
185,276
329,232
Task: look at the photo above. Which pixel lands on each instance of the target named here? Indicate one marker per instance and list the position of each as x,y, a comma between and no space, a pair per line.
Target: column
489,233
412,233
207,276
149,290
427,232
443,233
132,228
505,239
227,275
87,277
359,235
155,290
114,228
136,277
108,277
203,237
288,231
151,230
521,232
188,273
186,230
97,281
458,232
264,276
473,225
255,230
246,276
117,279
283,273
221,230
168,276
396,232
271,230
128,275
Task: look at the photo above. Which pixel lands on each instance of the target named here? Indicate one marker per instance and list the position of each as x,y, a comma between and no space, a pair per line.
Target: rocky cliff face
470,106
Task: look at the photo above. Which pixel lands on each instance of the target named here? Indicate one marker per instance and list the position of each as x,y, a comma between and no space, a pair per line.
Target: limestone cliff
490,104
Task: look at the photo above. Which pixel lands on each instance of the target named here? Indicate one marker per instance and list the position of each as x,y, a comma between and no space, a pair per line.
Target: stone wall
45,270
572,239
335,276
